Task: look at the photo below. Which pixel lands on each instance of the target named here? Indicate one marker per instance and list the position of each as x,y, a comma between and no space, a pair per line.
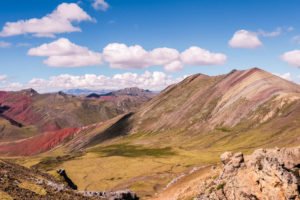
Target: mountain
124,92
134,91
166,142
245,108
85,91
200,102
235,106
27,113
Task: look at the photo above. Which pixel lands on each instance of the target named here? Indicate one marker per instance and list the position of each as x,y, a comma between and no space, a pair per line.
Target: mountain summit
247,98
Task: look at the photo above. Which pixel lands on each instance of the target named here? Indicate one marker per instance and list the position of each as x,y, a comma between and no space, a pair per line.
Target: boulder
266,174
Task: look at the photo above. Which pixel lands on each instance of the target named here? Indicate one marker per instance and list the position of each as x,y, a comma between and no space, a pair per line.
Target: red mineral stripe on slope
2,94
239,76
20,107
38,144
21,110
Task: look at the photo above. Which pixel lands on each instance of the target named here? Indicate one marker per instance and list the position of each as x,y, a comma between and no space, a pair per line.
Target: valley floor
147,165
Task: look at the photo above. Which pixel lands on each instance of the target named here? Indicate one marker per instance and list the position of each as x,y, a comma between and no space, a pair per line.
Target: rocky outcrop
20,183
266,174
118,195
66,178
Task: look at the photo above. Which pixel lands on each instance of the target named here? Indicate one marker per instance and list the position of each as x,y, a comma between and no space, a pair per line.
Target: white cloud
13,86
4,44
148,80
3,77
63,53
59,21
245,39
286,76
250,40
100,5
278,31
174,66
127,57
197,56
292,58
123,56
163,56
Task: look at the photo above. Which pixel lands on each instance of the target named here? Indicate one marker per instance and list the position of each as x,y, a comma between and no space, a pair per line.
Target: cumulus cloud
4,44
174,66
292,58
245,39
123,57
126,57
100,5
59,21
250,40
286,76
148,80
63,53
198,56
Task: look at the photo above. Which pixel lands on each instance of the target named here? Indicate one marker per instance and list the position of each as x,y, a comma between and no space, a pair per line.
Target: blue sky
265,31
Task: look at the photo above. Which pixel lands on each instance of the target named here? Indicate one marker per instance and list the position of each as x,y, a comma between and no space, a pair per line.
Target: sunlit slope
203,103
242,109
33,113
189,124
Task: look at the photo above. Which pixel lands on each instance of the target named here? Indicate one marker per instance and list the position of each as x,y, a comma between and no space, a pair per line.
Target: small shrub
220,186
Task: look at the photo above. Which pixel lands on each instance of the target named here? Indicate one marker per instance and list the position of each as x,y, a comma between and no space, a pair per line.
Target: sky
52,45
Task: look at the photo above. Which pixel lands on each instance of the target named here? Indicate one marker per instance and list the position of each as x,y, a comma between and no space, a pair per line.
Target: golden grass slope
188,125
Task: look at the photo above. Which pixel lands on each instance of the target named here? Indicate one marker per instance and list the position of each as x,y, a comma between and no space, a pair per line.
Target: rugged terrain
243,99
43,121
21,183
265,174
180,132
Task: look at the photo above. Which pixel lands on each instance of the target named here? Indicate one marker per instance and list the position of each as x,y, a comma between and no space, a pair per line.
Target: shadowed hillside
184,128
242,109
28,113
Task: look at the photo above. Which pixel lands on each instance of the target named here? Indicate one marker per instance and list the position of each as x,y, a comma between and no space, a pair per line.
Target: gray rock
266,174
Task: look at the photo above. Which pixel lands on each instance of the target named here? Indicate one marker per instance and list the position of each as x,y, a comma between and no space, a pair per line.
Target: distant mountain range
133,136
27,113
239,102
85,91
134,91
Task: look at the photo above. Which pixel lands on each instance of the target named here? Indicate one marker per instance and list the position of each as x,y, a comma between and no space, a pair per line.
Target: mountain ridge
237,102
214,92
38,113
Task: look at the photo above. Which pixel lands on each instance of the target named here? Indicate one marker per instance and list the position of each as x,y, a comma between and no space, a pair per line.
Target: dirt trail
186,186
